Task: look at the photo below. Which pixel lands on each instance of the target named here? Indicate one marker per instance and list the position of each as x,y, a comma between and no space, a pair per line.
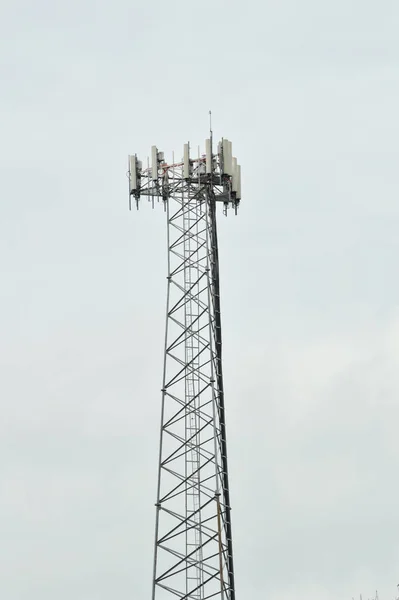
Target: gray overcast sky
309,93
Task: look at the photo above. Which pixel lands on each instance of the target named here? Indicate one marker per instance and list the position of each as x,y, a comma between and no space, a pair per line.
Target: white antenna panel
154,162
238,182
227,157
133,173
225,153
208,151
234,179
186,161
230,160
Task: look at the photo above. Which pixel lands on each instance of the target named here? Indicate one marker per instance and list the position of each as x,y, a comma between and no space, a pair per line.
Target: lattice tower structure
193,555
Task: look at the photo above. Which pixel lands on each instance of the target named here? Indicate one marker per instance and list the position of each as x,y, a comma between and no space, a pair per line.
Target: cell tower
193,556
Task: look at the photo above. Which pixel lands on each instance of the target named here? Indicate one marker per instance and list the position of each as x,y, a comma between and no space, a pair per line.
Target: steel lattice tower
193,557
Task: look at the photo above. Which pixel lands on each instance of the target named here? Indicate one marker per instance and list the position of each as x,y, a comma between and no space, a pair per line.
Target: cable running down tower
193,555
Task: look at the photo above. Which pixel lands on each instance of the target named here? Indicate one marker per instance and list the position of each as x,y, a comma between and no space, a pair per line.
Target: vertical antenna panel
238,182
234,180
133,173
225,153
154,163
227,157
230,158
186,160
208,151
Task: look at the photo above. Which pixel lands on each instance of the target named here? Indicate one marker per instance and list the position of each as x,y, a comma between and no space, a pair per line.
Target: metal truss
193,556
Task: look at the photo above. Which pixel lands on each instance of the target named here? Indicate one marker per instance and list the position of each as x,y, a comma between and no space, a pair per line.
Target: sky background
309,93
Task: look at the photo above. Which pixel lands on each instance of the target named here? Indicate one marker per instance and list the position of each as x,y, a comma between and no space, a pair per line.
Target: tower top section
219,173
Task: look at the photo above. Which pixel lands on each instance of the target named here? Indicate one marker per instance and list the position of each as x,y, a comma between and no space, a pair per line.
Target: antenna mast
193,554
